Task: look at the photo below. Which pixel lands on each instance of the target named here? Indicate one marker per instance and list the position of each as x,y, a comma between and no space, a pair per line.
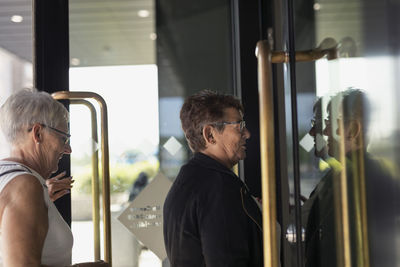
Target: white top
57,249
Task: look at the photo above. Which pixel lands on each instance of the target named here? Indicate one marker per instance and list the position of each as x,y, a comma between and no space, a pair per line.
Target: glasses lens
65,137
66,141
242,125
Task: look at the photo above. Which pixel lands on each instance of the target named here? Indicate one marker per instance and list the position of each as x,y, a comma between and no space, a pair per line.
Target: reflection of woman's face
319,141
231,142
331,131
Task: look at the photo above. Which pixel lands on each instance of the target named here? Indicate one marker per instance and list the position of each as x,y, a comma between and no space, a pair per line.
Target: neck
19,155
212,154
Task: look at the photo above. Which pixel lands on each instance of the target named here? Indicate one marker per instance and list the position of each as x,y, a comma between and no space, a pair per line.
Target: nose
312,131
327,130
338,128
67,149
246,133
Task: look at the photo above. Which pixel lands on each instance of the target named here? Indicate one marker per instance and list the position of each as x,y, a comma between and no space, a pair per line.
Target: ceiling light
17,18
143,13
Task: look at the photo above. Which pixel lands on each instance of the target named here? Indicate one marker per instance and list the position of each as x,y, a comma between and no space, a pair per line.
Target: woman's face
231,142
57,144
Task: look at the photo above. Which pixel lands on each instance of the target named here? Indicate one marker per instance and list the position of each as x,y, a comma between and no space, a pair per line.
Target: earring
37,143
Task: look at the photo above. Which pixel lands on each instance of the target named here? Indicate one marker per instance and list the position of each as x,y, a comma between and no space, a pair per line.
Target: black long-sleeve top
210,219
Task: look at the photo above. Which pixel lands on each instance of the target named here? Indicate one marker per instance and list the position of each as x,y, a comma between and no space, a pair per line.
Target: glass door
143,57
335,102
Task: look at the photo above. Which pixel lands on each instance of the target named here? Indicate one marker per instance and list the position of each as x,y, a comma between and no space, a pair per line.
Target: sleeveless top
57,249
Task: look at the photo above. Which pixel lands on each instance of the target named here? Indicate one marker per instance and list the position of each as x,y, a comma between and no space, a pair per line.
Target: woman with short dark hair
202,109
210,218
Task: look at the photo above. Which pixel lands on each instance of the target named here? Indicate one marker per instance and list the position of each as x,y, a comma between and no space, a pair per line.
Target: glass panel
113,53
349,154
16,70
112,50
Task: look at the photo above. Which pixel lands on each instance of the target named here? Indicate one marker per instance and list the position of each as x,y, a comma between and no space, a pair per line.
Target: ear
208,134
354,130
37,133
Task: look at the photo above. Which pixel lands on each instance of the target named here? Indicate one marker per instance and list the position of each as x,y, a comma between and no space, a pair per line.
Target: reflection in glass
16,70
355,186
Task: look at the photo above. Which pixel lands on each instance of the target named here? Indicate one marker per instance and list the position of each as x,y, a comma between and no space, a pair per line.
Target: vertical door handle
95,176
267,148
265,58
105,162
328,48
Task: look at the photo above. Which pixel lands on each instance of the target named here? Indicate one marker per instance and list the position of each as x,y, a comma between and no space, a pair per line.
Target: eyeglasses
67,136
314,122
242,124
327,122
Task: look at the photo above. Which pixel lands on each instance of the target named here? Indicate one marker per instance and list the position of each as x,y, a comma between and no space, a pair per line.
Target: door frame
51,66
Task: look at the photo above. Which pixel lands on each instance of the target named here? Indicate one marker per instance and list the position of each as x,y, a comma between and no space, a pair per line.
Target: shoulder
203,177
197,168
25,181
24,187
23,195
196,181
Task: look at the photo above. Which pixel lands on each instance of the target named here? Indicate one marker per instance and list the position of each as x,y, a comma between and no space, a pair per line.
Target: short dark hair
204,108
355,105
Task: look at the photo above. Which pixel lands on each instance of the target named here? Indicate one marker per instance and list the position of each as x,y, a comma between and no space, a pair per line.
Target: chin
242,156
55,169
319,153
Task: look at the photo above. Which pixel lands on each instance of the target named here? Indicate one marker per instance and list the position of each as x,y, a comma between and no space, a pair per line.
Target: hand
59,186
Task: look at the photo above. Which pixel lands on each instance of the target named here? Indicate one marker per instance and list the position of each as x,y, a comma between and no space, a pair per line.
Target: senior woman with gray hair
32,232
210,218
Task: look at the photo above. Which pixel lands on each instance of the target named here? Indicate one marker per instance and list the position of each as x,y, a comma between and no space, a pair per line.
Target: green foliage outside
122,176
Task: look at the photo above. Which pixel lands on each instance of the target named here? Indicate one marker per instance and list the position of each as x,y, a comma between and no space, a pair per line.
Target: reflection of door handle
95,176
105,161
328,48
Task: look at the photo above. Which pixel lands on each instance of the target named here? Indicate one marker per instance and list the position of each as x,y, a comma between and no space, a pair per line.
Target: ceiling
102,32
111,32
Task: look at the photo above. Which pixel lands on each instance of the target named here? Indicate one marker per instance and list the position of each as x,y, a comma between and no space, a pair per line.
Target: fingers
59,186
64,181
55,185
58,194
59,176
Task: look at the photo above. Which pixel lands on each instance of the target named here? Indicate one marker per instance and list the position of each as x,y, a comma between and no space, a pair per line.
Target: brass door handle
265,58
328,47
95,176
267,148
105,162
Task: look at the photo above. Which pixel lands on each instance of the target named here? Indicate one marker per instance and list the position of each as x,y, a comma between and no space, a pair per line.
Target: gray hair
27,107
